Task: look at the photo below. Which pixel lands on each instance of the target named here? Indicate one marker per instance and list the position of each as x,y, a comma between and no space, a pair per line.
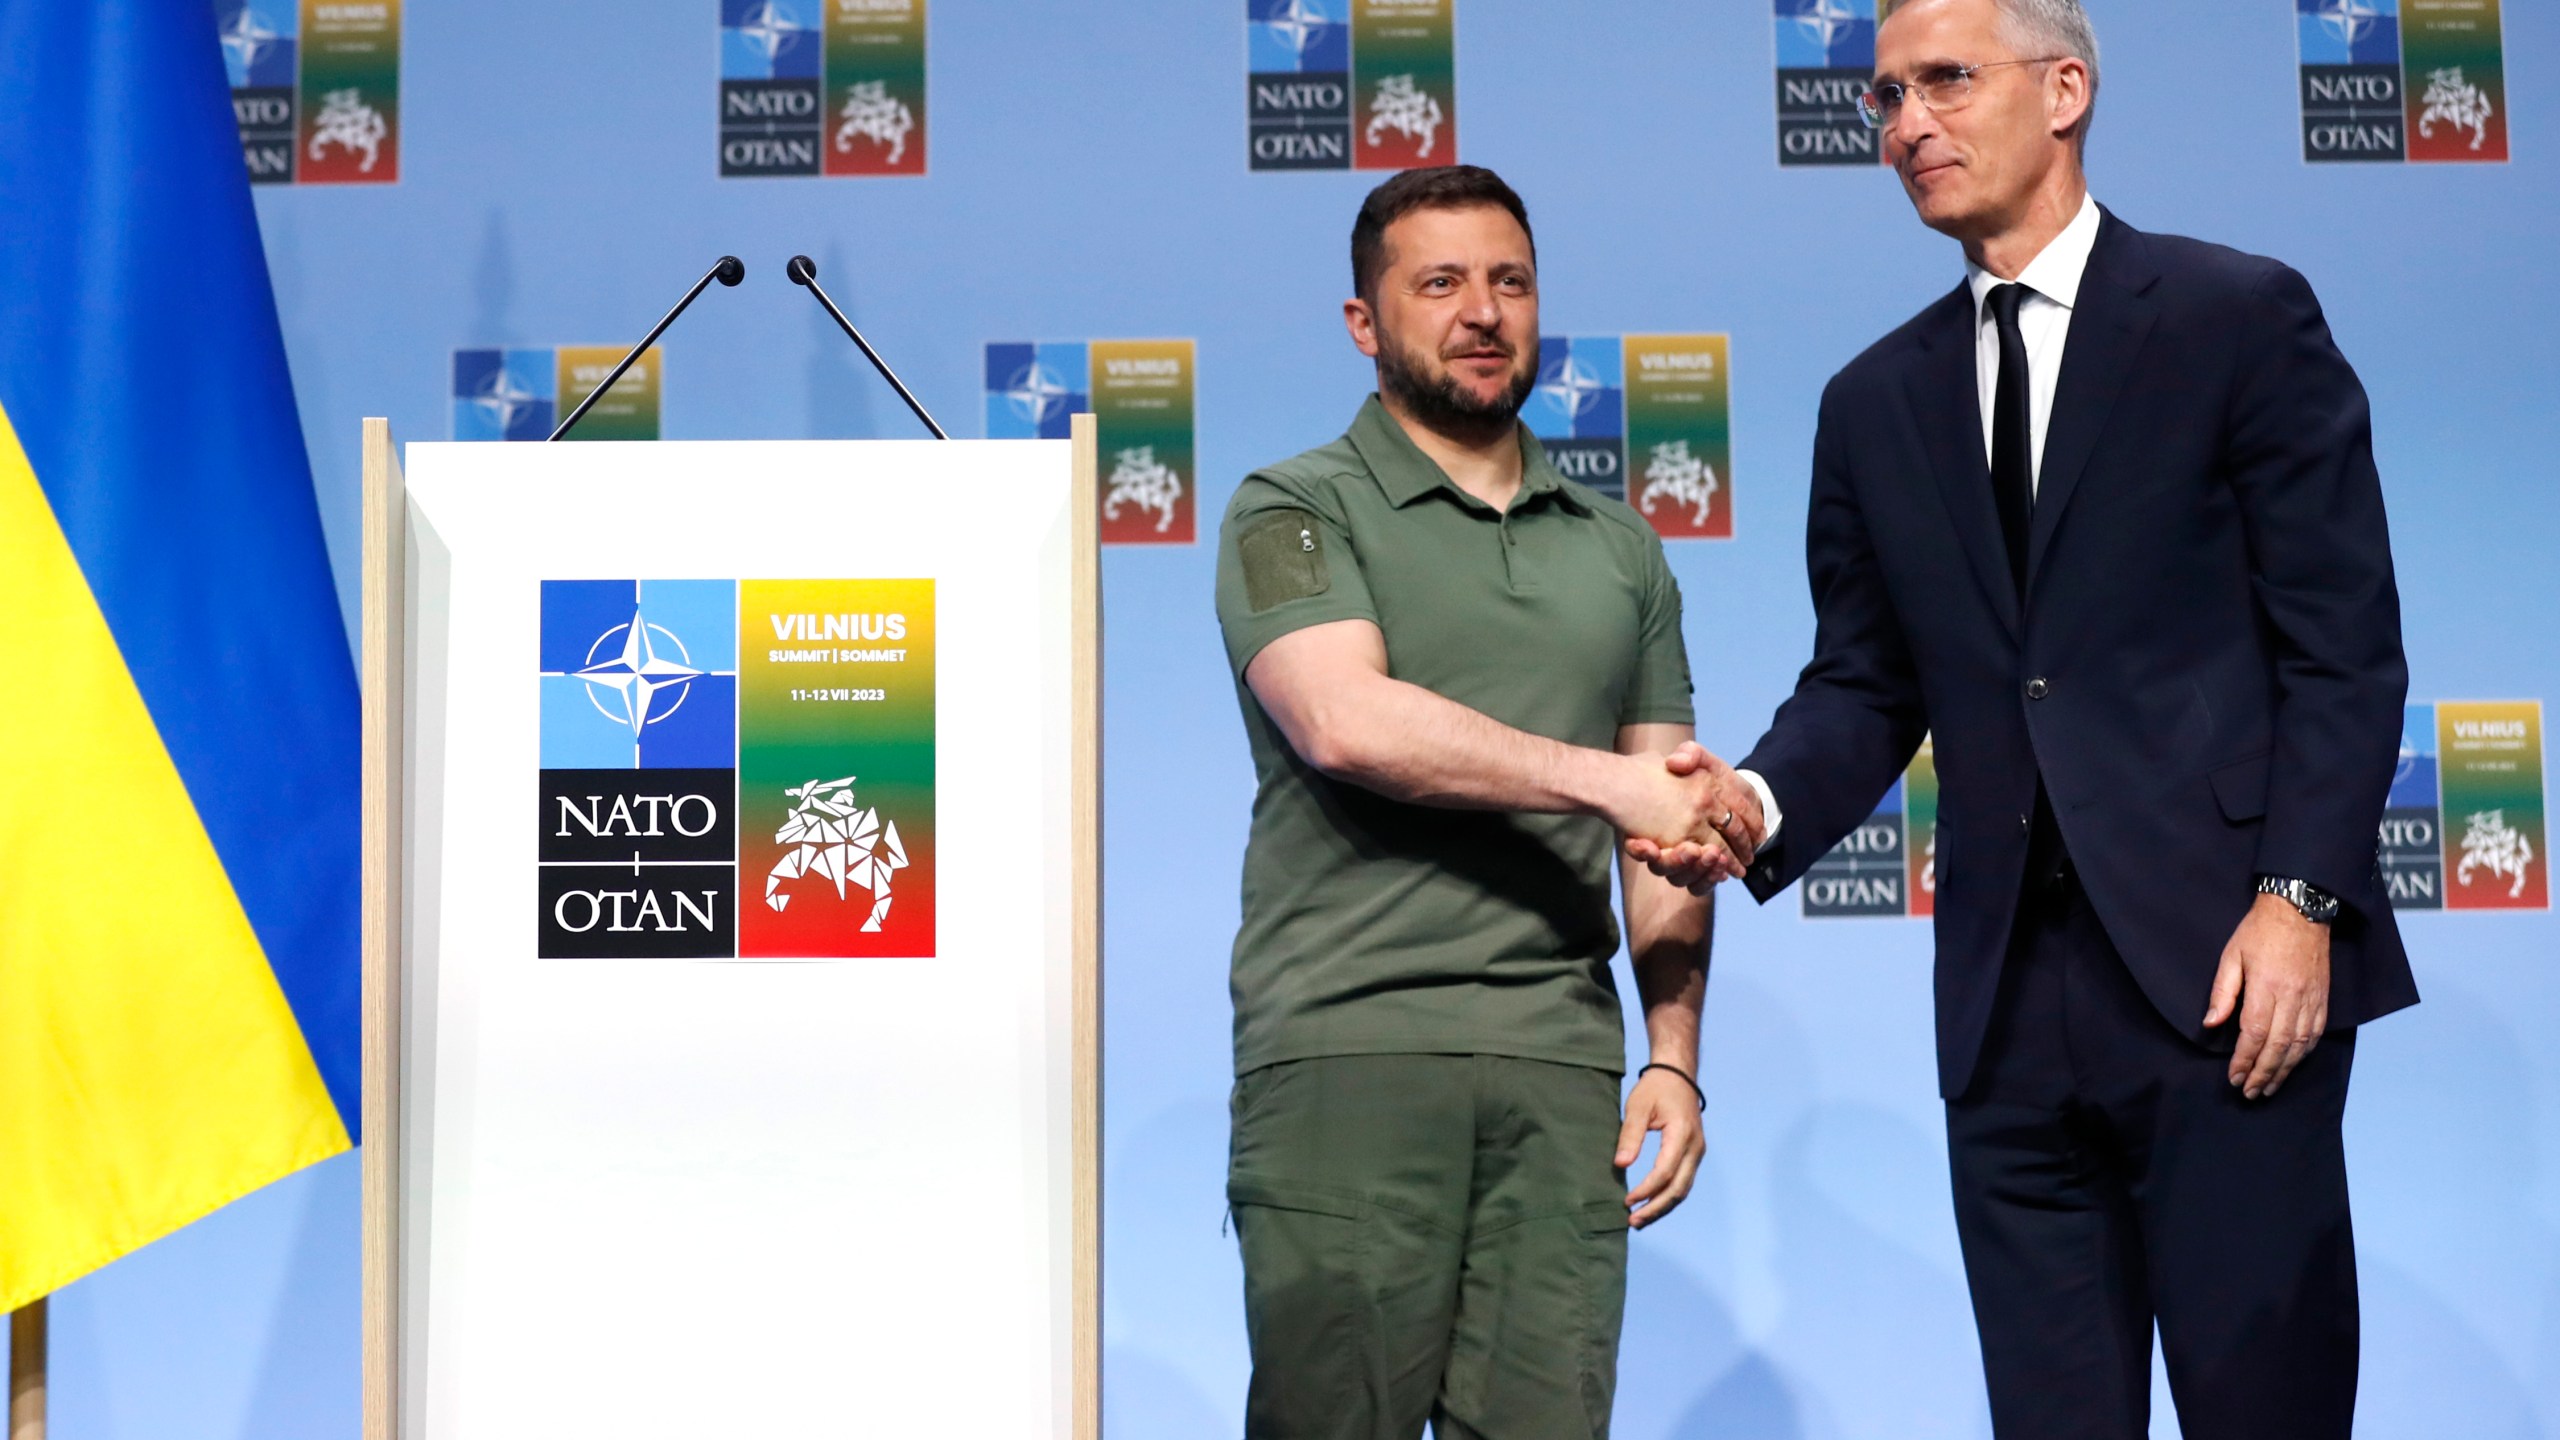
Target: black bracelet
1685,1079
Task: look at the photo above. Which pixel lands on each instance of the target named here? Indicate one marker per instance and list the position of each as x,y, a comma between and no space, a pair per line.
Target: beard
1440,402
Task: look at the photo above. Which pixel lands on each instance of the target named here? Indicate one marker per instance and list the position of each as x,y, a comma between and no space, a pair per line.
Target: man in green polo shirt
1460,673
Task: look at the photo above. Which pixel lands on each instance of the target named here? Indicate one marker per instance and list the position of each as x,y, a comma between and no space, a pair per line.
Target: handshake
1689,818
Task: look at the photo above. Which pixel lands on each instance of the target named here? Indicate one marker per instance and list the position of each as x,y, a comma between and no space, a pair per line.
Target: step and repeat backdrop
1142,210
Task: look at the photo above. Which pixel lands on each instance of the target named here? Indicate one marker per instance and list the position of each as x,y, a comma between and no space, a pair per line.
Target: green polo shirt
1372,926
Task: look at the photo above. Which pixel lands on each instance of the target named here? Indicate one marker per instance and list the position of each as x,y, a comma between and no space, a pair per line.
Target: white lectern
732,939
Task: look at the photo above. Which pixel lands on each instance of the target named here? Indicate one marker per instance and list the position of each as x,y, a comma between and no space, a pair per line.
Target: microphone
729,271
804,271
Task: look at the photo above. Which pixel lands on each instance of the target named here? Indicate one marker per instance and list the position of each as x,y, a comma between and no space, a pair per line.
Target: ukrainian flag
178,718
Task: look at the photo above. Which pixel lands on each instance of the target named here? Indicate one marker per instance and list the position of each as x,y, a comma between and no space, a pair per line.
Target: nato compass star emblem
1298,22
636,683
1035,393
248,37
1825,19
770,29
502,399
2350,20
1573,385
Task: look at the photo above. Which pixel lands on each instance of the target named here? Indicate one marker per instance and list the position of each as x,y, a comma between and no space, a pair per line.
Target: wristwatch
2317,905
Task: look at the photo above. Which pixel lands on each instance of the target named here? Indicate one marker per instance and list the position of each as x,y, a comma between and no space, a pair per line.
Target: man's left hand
1665,1103
2275,972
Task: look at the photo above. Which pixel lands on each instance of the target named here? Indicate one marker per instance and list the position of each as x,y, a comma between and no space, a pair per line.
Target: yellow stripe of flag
150,1070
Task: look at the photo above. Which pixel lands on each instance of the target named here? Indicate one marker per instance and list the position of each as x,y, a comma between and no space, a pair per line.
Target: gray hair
2054,28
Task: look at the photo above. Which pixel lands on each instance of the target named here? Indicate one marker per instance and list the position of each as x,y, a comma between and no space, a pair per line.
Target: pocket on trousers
1306,1306
1604,1273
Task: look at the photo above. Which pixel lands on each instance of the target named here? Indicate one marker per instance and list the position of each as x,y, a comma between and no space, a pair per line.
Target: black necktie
2013,490
2012,437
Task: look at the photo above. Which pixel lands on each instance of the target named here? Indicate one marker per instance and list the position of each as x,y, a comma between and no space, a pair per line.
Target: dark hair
1443,187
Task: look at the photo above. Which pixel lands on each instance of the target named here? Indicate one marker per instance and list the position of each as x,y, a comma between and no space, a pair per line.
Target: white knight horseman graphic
1675,475
2456,102
2490,844
349,123
1409,111
835,836
1140,480
872,113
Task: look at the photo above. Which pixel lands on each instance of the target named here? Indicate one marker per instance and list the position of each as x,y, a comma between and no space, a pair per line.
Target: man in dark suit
2105,519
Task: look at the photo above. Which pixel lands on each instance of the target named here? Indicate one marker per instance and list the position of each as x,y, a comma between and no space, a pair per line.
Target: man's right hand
1689,818
1736,828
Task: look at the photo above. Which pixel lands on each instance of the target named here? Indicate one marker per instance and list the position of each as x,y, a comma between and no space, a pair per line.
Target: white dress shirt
2044,321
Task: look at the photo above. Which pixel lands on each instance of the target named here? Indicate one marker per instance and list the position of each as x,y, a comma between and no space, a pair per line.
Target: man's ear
1362,322
2069,94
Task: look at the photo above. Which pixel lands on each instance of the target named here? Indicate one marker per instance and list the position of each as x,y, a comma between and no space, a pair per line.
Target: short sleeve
1285,562
1658,693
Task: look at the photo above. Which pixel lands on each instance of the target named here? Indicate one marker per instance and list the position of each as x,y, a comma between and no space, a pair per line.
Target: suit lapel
2109,321
1946,404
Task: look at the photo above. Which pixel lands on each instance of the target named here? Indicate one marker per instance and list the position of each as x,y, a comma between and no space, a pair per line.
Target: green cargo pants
1435,1237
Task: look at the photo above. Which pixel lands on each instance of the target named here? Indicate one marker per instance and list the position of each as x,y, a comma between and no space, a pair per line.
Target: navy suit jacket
2205,673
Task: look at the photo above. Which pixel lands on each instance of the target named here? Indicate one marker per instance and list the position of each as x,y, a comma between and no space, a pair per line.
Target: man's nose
1482,310
1912,123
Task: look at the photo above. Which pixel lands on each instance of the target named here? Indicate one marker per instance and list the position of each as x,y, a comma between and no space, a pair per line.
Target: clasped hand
1694,822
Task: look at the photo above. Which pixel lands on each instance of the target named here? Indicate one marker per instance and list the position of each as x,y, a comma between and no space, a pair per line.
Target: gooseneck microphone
804,271
729,271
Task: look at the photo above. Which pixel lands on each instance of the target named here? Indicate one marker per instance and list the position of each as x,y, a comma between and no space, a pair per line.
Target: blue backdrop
1088,180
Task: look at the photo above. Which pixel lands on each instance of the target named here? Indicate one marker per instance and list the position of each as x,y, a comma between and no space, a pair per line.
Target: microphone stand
805,272
729,271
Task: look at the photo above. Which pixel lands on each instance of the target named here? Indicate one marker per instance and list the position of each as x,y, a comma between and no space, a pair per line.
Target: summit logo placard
1140,393
2419,80
697,731
2466,827
822,87
1826,56
315,87
1642,418
1887,867
1350,84
523,393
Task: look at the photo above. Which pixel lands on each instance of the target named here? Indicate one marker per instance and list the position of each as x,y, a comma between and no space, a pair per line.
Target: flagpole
26,1372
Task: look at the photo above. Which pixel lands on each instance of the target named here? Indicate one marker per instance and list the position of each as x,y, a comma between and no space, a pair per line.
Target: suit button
2025,825
2037,689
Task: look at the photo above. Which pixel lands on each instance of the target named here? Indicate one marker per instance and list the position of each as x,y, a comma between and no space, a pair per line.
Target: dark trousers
2108,1175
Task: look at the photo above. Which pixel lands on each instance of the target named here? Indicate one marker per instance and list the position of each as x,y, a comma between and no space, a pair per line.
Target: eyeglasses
1943,88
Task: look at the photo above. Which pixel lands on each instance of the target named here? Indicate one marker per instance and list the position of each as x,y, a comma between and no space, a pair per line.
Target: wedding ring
1727,820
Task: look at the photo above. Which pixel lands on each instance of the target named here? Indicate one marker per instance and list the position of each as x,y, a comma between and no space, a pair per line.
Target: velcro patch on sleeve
1282,554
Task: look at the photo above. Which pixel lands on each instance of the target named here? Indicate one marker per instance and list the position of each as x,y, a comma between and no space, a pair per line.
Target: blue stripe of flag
144,369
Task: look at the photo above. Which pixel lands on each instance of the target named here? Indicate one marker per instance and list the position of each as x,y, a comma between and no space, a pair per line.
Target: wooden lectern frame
385,665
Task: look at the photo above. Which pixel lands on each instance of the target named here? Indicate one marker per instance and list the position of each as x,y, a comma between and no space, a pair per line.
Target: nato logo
2410,849
259,43
261,49
1826,35
767,40
1867,874
2351,80
2348,32
1033,390
772,75
504,394
1578,410
639,674
1825,50
1298,36
1298,84
639,783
